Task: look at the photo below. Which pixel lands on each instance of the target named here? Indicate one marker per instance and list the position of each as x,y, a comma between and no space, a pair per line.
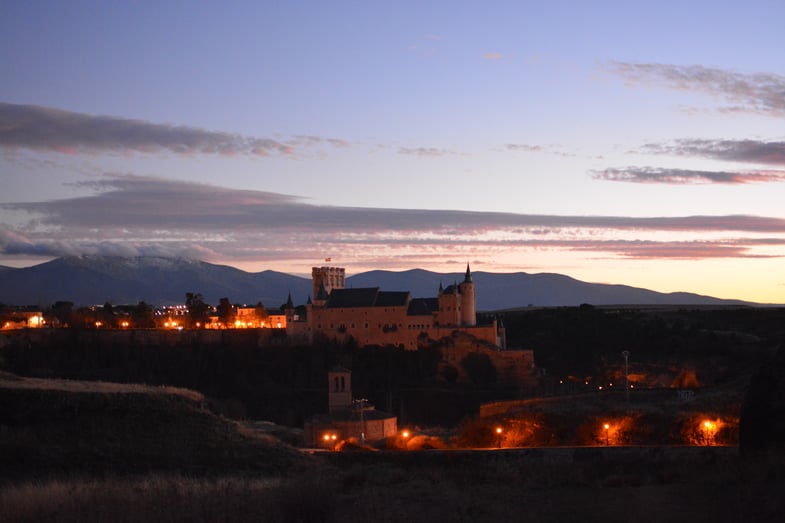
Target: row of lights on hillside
709,429
331,439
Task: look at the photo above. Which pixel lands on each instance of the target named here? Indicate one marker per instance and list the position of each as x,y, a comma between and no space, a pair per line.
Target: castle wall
449,309
147,337
514,367
387,326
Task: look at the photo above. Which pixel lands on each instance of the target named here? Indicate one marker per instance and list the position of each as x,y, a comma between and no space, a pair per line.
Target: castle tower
339,389
468,303
330,277
289,309
321,296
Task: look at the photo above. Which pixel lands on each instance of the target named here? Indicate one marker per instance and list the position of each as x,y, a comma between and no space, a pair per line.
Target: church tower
339,388
468,304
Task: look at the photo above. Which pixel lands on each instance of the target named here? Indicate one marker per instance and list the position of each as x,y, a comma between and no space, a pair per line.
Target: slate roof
452,289
392,298
366,297
423,306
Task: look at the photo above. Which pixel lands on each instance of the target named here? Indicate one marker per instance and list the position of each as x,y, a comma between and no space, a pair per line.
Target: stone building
371,316
347,417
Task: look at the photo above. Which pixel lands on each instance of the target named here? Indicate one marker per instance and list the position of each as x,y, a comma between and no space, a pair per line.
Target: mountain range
95,280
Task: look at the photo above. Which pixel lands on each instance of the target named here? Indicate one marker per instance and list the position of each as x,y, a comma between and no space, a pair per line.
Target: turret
289,309
468,304
321,295
468,277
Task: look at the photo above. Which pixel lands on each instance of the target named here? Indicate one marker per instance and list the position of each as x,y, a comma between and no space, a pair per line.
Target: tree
197,309
479,368
142,316
762,423
226,313
106,316
63,312
261,313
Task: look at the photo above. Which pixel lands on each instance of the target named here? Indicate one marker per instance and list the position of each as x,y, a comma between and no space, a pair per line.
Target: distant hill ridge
91,280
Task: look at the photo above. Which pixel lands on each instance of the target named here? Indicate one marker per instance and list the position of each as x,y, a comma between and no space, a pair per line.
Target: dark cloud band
746,151
686,177
126,201
143,215
48,129
759,93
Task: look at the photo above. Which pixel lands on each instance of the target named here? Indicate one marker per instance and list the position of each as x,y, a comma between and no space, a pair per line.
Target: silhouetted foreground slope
62,427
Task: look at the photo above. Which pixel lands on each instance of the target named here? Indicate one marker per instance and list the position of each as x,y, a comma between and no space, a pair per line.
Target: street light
499,435
404,442
607,428
707,431
330,440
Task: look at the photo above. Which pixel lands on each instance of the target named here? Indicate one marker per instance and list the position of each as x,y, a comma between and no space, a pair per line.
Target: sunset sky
630,142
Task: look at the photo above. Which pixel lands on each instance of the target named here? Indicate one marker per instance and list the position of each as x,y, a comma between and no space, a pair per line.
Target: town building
21,317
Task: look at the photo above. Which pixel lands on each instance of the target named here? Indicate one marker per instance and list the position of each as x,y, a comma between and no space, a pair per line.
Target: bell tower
339,388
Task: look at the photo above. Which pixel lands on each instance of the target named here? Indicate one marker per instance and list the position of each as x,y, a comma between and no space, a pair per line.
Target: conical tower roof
468,277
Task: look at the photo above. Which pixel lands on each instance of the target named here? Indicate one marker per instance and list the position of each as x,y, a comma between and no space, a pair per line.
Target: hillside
63,427
496,291
89,280
95,280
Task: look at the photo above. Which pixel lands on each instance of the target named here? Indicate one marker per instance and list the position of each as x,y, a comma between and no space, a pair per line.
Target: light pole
607,428
361,403
499,436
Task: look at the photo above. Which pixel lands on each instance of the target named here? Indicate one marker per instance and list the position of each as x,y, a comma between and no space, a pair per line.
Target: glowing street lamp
499,435
607,428
707,425
330,440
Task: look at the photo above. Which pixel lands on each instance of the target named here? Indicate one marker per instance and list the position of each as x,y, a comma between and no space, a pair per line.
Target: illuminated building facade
371,316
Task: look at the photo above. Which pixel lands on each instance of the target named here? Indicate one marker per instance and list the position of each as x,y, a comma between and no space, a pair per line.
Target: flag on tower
328,259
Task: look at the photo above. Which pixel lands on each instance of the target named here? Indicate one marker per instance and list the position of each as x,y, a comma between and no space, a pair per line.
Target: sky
627,142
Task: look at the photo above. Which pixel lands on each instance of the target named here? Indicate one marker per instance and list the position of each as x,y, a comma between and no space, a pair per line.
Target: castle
371,316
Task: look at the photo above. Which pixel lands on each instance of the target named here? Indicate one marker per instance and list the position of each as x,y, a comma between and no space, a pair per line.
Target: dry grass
154,498
11,381
58,428
424,491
